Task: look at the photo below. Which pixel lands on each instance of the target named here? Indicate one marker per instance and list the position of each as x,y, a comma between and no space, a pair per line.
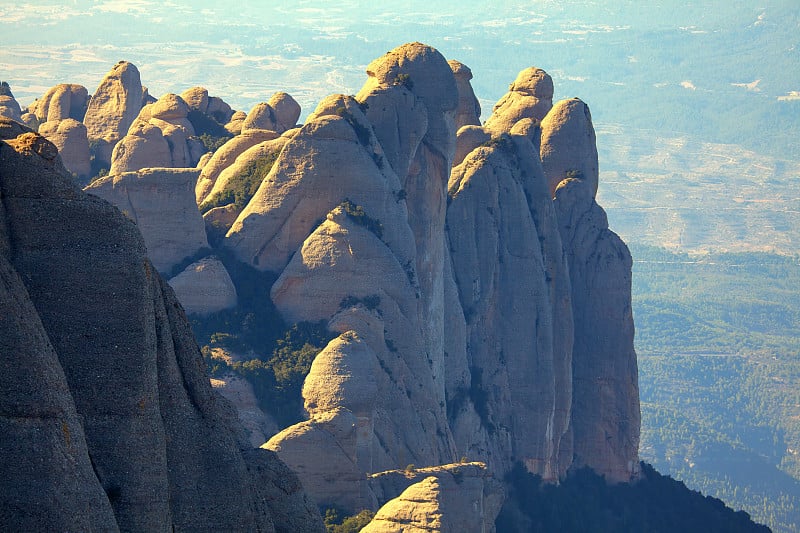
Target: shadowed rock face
605,413
69,136
130,433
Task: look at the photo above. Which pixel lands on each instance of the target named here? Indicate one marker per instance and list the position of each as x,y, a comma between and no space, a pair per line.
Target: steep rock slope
131,422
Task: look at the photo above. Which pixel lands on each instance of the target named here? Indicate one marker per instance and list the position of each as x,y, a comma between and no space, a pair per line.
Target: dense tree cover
273,356
718,339
584,502
334,523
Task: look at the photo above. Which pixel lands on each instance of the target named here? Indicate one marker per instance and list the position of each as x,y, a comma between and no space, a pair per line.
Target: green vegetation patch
243,185
347,524
357,214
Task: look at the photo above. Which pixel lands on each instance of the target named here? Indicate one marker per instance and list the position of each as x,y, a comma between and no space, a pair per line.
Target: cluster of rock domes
501,326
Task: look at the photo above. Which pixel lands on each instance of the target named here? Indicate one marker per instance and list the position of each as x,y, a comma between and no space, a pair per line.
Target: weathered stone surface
239,392
196,98
569,146
69,136
424,72
286,111
113,108
453,498
530,96
509,269
66,100
161,202
143,147
163,455
330,159
261,117
469,109
246,163
291,510
236,122
467,139
225,156
605,411
9,107
220,110
205,287
46,477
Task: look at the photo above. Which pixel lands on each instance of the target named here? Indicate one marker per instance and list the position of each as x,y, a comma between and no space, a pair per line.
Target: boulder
143,147
286,111
196,98
61,102
236,122
69,136
112,109
161,202
530,96
469,109
205,287
569,146
261,117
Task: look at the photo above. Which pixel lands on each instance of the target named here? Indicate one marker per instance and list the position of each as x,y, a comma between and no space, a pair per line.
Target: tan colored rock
469,109
454,497
9,108
530,96
225,156
196,98
261,117
143,147
234,125
239,392
322,453
69,136
331,158
113,108
205,287
605,409
218,109
219,220
425,74
161,202
569,145
30,120
286,111
61,102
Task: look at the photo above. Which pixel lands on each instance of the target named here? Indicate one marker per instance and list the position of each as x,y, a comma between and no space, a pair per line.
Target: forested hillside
718,339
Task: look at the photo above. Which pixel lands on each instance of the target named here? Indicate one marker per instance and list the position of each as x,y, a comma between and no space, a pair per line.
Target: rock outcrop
453,498
70,137
605,415
65,100
569,145
205,287
161,136
9,107
120,379
161,202
530,96
113,108
468,112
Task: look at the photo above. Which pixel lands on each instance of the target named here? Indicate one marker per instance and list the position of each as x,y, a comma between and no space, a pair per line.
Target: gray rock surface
112,338
9,107
161,202
469,109
605,412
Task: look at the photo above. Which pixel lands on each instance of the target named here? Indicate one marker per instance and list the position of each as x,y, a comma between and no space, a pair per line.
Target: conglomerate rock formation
109,420
478,303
